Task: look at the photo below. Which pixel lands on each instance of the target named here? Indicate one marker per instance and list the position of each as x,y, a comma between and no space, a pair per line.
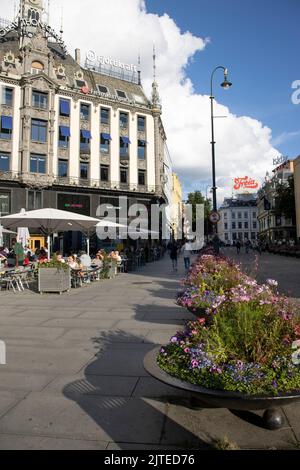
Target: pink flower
186,350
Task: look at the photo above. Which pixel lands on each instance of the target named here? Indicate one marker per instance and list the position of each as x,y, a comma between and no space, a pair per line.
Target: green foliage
53,263
285,199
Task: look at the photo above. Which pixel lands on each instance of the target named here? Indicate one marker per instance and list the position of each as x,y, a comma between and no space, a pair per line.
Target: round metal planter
273,418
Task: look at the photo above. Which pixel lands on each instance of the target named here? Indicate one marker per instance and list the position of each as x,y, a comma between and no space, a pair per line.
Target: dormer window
102,89
37,67
121,94
80,83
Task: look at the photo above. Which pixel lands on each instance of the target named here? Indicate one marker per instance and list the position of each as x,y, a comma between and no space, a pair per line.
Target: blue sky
259,41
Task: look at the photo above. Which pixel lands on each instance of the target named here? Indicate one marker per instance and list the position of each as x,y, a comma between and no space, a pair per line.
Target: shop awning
86,134
126,140
7,122
106,136
65,131
65,107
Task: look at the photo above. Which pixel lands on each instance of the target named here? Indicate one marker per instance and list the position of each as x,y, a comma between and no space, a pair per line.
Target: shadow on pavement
130,420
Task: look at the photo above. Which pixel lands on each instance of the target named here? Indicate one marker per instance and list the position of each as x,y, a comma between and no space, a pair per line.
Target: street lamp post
226,84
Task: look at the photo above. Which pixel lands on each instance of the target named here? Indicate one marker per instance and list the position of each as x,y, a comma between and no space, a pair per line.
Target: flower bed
251,343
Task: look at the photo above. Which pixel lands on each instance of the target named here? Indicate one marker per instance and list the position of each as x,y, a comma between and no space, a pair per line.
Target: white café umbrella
50,221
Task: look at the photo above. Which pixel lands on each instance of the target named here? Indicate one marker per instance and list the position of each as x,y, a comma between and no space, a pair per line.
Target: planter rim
220,398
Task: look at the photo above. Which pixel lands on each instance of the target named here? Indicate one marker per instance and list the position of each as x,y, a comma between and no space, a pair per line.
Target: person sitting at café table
59,257
72,262
85,259
98,261
42,254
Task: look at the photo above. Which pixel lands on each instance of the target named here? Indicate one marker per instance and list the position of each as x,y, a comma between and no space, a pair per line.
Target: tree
197,198
285,203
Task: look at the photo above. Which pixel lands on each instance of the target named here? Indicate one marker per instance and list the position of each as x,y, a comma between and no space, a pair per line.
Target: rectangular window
85,137
85,111
64,107
6,127
84,171
142,177
245,215
105,116
234,237
246,236
7,96
239,215
141,124
38,130
64,137
124,147
225,215
37,164
63,168
105,143
4,203
142,145
34,200
233,215
253,237
39,100
4,161
240,225
254,215
104,173
246,225
233,225
226,226
226,236
255,225
123,120
124,176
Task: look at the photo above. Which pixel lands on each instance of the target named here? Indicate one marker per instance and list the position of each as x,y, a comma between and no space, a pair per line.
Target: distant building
297,193
238,219
177,206
71,136
274,227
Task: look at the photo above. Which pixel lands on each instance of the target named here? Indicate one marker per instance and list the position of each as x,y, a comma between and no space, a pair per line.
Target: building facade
297,194
239,219
177,206
274,227
72,137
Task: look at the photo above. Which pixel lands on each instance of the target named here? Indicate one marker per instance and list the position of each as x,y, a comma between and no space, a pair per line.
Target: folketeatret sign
245,183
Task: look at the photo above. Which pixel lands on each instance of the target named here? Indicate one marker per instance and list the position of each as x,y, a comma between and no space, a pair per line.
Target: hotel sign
245,183
99,60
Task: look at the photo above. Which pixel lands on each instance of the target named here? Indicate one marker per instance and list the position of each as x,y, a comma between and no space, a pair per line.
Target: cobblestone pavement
74,377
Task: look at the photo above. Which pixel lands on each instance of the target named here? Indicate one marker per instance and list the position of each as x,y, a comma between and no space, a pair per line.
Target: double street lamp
226,84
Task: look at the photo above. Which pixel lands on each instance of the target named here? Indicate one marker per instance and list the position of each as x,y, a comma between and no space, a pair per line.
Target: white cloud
123,29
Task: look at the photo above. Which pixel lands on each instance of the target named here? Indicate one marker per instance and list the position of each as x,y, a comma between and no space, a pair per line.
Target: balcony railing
73,181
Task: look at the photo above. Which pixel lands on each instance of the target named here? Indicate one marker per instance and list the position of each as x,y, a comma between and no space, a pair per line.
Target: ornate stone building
72,137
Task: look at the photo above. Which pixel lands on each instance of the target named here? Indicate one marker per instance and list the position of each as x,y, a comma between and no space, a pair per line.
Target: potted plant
53,276
247,356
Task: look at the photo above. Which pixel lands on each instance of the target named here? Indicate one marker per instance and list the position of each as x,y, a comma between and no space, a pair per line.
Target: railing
45,181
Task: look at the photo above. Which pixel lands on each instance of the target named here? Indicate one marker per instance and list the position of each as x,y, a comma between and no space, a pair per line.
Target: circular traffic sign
215,217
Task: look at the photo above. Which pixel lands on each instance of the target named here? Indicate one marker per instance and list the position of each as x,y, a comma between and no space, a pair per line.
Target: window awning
86,134
65,131
65,107
126,140
7,122
106,136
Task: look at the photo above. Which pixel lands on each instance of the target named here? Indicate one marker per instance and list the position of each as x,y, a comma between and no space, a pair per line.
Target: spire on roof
155,92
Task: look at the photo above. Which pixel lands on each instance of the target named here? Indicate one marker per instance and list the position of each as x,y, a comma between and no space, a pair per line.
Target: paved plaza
74,377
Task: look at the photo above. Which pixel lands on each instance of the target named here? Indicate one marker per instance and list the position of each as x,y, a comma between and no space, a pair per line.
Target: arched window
33,15
37,67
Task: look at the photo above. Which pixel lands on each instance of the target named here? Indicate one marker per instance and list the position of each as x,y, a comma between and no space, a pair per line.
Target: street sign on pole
215,217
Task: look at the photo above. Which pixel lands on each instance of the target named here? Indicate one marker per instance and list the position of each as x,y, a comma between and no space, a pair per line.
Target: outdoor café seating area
82,270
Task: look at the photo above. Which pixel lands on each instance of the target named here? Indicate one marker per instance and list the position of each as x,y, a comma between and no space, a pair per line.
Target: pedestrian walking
19,252
173,247
187,251
238,247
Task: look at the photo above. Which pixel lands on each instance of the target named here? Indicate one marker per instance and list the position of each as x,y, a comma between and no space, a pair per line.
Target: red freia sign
245,183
